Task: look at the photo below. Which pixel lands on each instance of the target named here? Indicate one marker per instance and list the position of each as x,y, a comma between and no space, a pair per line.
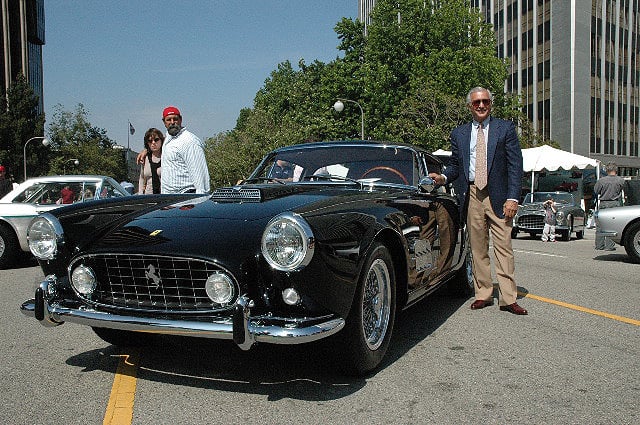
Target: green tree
73,137
410,74
19,122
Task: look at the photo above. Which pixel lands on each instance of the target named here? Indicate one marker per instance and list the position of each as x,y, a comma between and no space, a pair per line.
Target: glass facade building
22,38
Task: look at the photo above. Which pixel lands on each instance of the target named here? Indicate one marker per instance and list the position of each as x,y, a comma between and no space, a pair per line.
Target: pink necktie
481,160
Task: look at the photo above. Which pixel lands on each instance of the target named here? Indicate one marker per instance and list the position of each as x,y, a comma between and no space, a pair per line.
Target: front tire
566,235
632,242
367,332
8,247
461,286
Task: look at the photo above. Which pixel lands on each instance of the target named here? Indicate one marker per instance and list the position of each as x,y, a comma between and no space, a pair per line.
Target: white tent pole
533,176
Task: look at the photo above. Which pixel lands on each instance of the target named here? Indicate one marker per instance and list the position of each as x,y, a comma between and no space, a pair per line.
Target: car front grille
152,283
533,222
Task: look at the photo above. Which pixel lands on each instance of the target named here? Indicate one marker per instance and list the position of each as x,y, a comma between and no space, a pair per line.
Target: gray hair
612,167
478,89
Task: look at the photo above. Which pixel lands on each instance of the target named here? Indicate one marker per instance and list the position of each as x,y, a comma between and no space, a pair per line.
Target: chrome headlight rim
214,293
58,241
88,287
303,257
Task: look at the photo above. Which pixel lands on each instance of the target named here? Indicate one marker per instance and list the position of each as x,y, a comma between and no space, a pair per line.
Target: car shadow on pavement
617,255
304,372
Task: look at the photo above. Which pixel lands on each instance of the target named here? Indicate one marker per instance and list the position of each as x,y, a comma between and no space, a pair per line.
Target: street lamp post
45,142
76,162
339,107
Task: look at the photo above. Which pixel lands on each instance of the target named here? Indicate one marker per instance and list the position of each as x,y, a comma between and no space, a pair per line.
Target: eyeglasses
157,139
478,102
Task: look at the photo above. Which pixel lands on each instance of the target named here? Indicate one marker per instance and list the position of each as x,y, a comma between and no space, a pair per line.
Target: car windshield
44,193
379,164
558,198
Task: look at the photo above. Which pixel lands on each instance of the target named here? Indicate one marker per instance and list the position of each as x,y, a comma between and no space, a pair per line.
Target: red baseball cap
2,169
170,110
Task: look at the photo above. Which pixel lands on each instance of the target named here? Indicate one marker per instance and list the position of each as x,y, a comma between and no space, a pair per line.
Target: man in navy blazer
489,207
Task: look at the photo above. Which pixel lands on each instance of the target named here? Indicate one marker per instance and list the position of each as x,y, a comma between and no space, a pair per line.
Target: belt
472,182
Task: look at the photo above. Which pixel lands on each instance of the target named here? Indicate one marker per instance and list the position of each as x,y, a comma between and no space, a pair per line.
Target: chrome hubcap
376,304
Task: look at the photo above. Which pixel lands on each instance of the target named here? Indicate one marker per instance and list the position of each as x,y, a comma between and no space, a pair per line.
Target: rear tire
632,242
365,338
9,247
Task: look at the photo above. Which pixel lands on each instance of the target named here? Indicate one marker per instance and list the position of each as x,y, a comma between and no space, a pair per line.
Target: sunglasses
157,139
478,102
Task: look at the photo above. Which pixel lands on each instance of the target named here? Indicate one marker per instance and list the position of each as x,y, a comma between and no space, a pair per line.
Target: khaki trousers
481,219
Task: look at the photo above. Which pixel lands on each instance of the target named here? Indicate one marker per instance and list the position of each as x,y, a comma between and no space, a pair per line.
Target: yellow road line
583,309
120,406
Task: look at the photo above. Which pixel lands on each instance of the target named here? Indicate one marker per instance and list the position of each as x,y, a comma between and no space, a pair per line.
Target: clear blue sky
127,60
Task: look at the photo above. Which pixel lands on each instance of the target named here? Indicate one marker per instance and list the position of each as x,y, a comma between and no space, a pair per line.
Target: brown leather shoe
515,309
478,304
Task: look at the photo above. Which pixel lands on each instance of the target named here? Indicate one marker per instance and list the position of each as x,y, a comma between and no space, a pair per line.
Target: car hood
220,224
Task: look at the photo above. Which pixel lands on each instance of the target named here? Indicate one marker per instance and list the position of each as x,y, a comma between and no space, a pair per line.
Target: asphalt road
572,360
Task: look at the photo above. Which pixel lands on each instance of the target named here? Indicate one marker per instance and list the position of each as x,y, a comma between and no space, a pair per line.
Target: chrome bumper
606,233
242,328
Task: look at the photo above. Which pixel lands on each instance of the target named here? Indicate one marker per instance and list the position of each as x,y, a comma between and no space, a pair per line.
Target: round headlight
43,235
83,280
560,216
219,287
287,242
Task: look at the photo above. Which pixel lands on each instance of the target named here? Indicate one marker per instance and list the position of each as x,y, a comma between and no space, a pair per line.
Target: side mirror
427,184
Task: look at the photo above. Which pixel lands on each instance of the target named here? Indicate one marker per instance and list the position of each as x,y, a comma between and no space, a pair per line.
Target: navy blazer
504,162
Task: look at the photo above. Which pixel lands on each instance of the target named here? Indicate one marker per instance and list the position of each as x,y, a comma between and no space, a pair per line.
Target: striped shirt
184,167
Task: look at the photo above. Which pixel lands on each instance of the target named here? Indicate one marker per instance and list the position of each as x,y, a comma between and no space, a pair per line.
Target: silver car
570,216
40,194
621,225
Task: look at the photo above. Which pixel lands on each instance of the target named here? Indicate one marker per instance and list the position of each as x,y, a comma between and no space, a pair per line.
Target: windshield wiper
331,177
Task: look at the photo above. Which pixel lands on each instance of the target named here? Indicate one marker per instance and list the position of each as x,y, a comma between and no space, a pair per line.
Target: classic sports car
40,194
570,216
621,225
322,240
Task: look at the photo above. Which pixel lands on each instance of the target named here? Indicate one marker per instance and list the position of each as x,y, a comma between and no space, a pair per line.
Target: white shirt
184,166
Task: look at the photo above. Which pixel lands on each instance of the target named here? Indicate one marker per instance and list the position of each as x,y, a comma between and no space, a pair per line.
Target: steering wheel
385,168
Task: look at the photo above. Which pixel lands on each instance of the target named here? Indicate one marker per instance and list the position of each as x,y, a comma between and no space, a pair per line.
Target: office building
22,40
576,66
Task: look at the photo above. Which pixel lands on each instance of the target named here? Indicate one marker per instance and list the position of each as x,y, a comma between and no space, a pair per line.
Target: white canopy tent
547,158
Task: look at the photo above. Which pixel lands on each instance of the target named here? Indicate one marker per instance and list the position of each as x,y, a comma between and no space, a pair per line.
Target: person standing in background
608,193
184,165
150,171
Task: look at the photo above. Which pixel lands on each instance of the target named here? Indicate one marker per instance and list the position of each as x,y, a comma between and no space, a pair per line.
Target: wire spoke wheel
376,303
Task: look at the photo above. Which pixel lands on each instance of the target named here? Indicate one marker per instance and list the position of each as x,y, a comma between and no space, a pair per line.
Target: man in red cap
184,166
5,183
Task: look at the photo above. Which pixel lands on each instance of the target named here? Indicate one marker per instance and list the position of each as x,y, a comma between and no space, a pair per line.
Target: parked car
570,216
40,194
323,240
621,225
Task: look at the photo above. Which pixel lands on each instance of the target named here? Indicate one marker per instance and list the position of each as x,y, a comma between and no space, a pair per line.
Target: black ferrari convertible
322,240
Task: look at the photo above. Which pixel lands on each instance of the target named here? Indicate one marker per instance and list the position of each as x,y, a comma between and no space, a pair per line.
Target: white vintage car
41,194
621,225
